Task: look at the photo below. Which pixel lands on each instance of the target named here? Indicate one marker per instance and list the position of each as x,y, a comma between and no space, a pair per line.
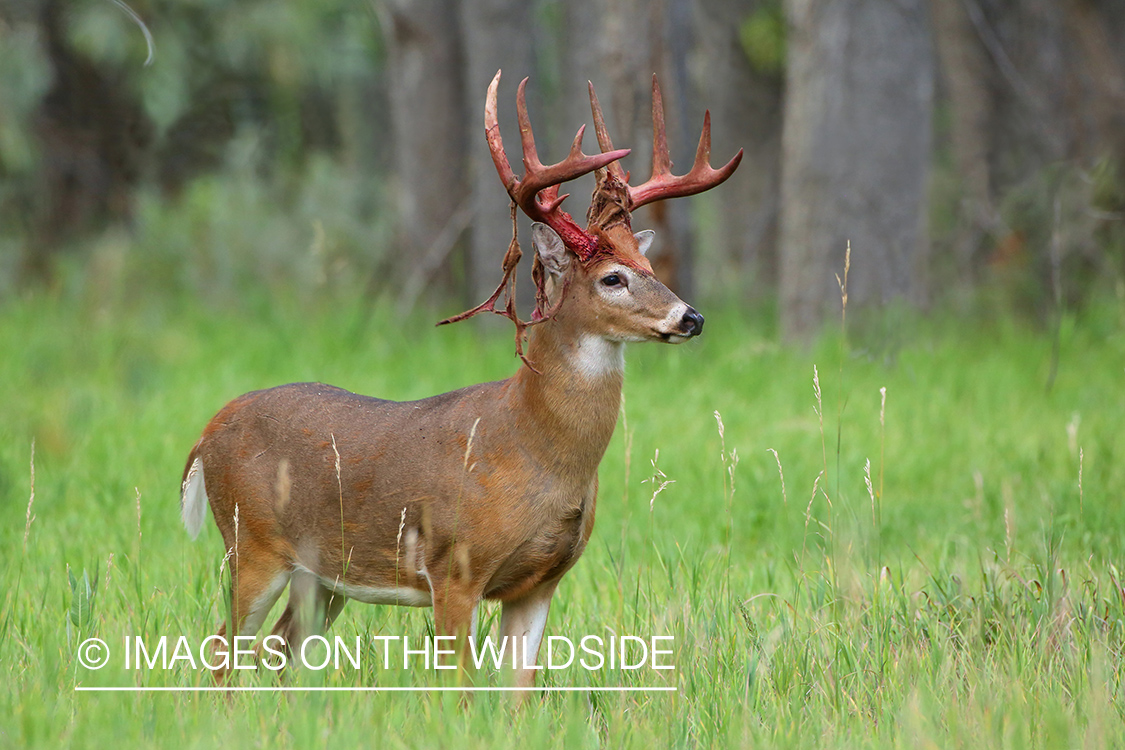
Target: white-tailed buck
487,492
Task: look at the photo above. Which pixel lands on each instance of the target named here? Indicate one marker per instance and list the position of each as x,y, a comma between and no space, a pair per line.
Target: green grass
972,598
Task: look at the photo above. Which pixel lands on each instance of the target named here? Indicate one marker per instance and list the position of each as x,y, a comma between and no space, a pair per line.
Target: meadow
859,544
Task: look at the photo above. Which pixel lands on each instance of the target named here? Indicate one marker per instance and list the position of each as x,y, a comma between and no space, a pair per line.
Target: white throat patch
596,357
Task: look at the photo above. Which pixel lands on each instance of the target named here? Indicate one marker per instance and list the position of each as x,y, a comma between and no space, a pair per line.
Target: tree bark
93,135
496,34
584,46
1094,26
643,38
856,152
746,108
427,113
967,75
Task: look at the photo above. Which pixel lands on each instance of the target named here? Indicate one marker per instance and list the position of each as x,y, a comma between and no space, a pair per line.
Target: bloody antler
538,195
538,192
663,184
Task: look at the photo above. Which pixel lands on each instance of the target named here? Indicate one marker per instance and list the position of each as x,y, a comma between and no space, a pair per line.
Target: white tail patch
193,499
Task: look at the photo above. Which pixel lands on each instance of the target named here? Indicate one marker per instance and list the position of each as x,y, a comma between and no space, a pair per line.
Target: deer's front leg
522,622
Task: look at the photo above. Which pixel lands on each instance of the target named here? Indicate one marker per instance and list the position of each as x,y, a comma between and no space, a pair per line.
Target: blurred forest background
971,151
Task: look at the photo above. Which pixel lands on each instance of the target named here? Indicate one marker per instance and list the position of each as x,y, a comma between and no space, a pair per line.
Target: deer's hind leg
311,610
256,584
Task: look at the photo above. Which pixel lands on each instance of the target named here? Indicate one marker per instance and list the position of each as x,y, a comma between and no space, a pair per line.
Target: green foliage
252,121
970,596
230,233
1108,203
194,39
82,595
24,79
763,34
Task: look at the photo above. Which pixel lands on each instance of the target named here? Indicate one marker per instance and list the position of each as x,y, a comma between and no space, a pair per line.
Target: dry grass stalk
30,500
1009,521
398,541
882,435
108,568
340,490
780,473
1080,507
659,481
819,409
870,490
808,509
843,284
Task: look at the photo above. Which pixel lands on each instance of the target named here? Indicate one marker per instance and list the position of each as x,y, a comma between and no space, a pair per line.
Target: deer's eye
612,280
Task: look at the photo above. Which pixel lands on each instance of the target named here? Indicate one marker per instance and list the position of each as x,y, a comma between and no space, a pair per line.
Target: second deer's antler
663,184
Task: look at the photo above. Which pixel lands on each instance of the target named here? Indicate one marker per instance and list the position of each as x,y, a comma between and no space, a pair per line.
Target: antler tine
537,192
663,184
661,161
531,161
531,164
495,143
604,142
549,198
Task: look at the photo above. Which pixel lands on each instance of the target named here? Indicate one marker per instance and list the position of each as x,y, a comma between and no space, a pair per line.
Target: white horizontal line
294,689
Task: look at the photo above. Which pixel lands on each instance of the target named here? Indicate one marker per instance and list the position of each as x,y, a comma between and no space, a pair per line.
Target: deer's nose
692,322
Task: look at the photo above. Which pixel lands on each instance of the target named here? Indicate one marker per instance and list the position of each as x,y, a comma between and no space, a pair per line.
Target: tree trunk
644,38
427,115
93,135
1095,26
856,152
745,105
584,47
967,75
496,34
1059,104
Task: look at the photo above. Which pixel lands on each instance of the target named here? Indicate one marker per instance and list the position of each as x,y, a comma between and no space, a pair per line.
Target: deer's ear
644,240
550,248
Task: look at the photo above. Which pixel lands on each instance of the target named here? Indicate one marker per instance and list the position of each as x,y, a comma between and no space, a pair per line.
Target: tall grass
962,587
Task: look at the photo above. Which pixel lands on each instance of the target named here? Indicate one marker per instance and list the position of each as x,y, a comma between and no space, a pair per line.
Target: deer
483,493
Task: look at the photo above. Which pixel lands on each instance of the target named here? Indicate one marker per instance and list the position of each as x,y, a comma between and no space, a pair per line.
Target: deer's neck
568,409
